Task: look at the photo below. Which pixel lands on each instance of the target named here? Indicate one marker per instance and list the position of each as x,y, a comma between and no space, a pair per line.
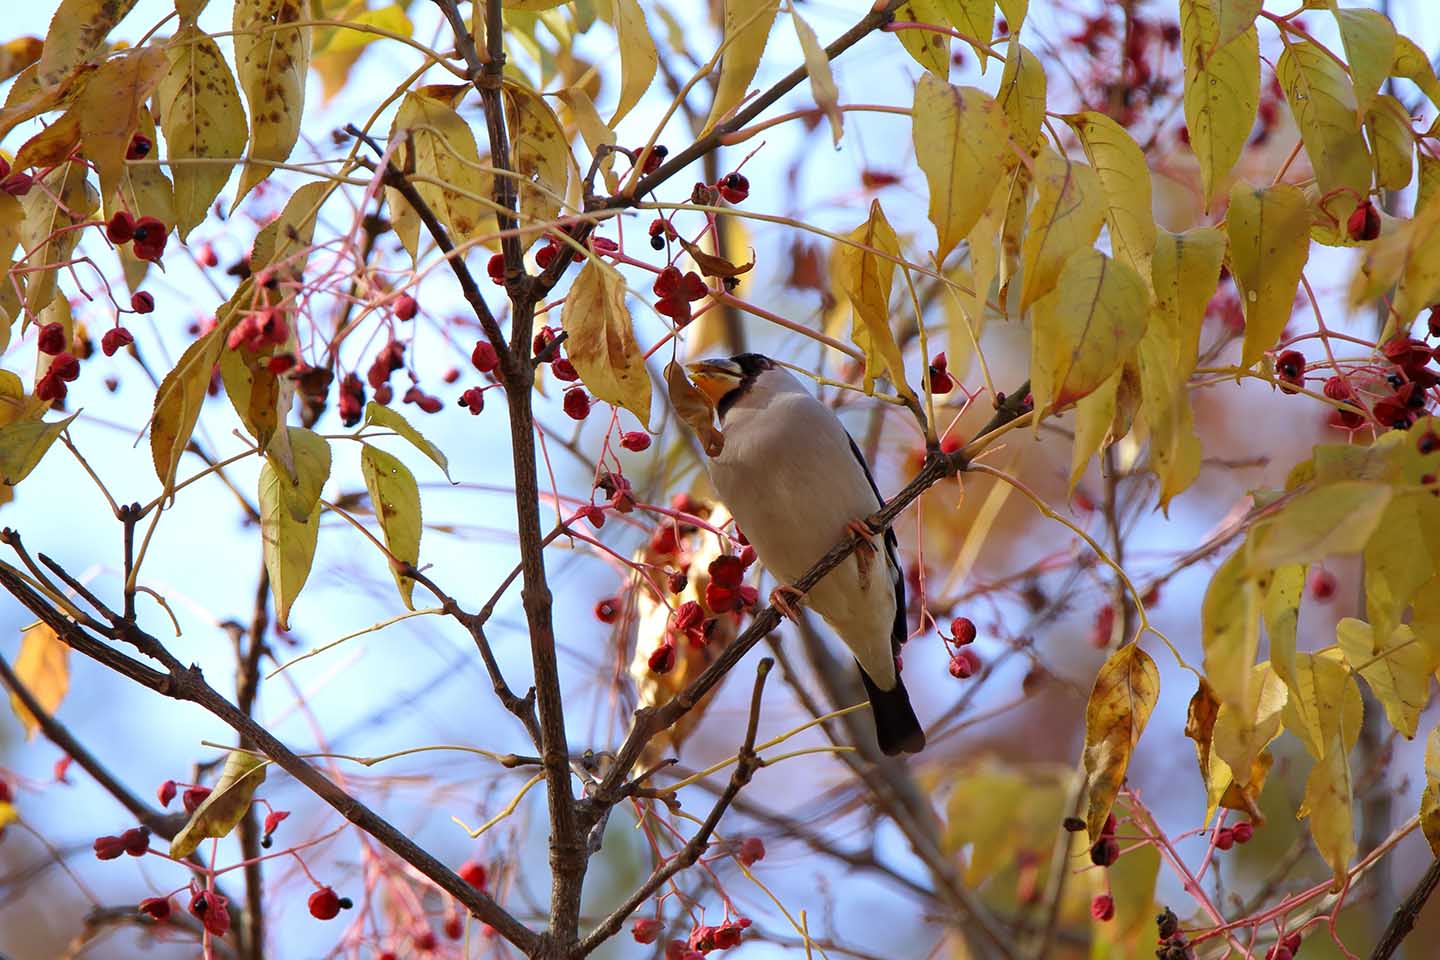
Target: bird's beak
715,378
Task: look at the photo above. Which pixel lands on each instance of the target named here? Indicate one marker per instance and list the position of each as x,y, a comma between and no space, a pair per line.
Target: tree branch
1403,920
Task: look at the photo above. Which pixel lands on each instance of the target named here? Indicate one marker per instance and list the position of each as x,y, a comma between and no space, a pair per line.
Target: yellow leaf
1125,692
1175,450
272,59
109,109
253,390
52,145
1084,328
1244,729
178,401
1413,254
43,667
17,54
1222,90
1230,628
930,49
144,190
395,497
78,33
1324,704
1269,230
27,98
1430,798
1233,17
45,232
601,341
747,28
381,416
1323,102
289,543
303,478
1022,92
580,113
440,147
822,80
225,807
1014,11
1329,519
1398,560
1184,271
1369,40
975,19
865,279
1280,611
967,323
1398,670
1328,797
638,58
1387,124
1068,212
201,115
24,443
1104,417
541,153
961,140
344,41
1413,64
1119,163
283,245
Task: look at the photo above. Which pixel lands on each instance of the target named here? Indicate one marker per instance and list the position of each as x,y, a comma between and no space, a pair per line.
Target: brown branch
248,650
1403,920
747,762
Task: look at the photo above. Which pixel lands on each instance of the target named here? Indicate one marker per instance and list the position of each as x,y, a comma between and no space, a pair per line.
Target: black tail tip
897,729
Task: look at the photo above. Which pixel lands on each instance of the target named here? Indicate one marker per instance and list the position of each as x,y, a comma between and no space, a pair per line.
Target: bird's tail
896,727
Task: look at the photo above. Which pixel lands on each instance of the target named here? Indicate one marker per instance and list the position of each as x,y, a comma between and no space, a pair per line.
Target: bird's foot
787,599
864,549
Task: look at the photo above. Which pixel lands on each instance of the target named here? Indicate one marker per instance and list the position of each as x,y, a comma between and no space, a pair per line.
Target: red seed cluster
676,291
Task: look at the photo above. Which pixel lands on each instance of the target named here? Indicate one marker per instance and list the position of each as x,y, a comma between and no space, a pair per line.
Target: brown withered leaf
1125,692
692,407
713,266
1200,724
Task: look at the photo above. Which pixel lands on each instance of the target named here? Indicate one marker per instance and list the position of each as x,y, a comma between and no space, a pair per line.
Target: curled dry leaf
225,806
713,266
1125,692
694,408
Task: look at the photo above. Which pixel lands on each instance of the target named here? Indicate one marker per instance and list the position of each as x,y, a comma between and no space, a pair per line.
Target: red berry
384,394
1279,952
156,908
542,340
324,904
546,255
963,630
727,571
1292,940
6,795
734,187
150,237
1243,831
496,268
280,363
1337,389
635,441
142,302
645,930
51,339
1103,627
213,911
654,158
17,184
662,660
595,516
473,400
120,228
430,404
1102,908
166,793
564,370
484,357
50,388
65,367
139,148
406,307
206,256
964,664
114,339
1105,851
425,941
667,281
577,403
108,848
608,610
676,308
604,245
1433,321
665,541
1364,223
677,582
352,399
752,849
193,797
136,841
1224,838
454,927
1291,367
473,873
941,382
721,599
728,935
1322,585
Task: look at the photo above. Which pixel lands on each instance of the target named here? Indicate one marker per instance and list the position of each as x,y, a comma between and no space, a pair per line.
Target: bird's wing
900,630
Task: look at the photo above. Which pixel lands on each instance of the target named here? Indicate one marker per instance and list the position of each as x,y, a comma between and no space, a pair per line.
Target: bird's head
724,382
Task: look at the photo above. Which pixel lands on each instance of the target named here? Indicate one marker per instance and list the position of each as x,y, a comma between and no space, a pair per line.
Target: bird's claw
787,599
864,549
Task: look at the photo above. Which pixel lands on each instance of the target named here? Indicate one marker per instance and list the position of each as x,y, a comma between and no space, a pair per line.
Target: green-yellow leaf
1233,17
1119,163
602,343
1430,797
1324,105
23,443
272,59
822,79
1269,230
1093,416
1328,519
395,496
1022,93
930,49
1324,704
1068,212
975,19
78,33
1084,328
202,118
310,460
1398,558
178,401
1280,611
865,278
43,667
1125,691
1369,40
747,28
382,416
1230,628
283,244
961,140
1328,798
638,58
1393,143
1399,670
225,807
1184,273
1165,402
289,544
1243,730
253,390
1222,90
1014,11
1413,64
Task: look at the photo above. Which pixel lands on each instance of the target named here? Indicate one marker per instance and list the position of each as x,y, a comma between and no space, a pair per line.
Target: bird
796,483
